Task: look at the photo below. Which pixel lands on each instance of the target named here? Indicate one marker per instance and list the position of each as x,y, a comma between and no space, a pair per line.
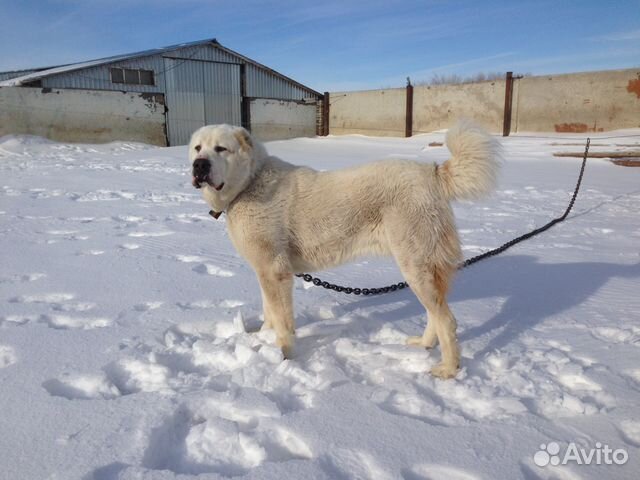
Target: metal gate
200,93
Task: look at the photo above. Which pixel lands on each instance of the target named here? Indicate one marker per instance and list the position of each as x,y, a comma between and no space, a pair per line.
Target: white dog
285,219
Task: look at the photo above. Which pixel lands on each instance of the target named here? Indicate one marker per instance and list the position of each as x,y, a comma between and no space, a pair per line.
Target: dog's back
328,218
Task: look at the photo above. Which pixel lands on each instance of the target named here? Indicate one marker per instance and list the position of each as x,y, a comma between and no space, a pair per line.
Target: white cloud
630,35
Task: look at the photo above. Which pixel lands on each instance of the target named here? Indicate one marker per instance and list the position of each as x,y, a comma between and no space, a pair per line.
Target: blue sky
337,45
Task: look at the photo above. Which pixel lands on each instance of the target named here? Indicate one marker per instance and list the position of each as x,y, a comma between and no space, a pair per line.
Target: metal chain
470,261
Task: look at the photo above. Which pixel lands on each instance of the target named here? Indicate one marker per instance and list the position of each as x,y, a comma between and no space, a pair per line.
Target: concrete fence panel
372,112
577,102
281,119
439,106
88,116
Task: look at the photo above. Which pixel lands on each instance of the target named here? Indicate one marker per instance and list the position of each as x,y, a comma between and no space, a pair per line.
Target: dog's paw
444,371
287,352
420,342
286,344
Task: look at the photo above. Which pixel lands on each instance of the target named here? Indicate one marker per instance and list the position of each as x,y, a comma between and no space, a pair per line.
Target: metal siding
260,82
99,77
264,84
203,52
185,99
222,96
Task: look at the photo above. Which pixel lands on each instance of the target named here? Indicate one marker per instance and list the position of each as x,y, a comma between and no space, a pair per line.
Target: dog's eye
219,149
198,148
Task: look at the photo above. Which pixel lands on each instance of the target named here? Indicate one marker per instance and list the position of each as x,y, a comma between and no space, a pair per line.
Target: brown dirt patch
571,127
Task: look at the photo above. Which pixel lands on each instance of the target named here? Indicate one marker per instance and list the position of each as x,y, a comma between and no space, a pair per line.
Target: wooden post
325,114
408,123
508,97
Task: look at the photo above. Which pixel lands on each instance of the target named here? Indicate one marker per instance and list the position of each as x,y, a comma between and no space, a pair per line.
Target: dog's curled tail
472,170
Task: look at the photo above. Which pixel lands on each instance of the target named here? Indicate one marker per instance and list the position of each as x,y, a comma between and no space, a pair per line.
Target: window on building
131,76
117,75
146,77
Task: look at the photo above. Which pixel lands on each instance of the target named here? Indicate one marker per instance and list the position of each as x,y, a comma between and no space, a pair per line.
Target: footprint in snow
82,387
64,322
128,219
228,434
437,472
200,304
192,217
101,195
73,307
81,219
163,233
29,277
630,432
190,258
18,319
633,374
67,234
204,267
412,406
60,302
344,464
8,356
146,306
133,376
210,269
91,252
231,303
50,298
618,335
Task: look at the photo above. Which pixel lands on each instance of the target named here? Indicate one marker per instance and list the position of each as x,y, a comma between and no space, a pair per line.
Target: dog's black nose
201,168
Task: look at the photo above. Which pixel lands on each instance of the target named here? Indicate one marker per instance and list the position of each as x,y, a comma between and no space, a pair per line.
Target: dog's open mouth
197,182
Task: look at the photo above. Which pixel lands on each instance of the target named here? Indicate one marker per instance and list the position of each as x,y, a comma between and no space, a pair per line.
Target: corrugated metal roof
37,75
100,61
22,72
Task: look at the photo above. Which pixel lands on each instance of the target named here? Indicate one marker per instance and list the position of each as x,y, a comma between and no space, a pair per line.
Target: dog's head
223,160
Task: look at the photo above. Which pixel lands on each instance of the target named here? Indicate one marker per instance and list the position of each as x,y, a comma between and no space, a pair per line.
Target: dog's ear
244,139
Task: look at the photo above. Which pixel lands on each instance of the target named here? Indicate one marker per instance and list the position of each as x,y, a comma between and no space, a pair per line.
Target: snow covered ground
126,352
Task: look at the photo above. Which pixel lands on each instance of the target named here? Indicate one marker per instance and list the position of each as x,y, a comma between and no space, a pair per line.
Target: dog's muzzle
201,170
202,174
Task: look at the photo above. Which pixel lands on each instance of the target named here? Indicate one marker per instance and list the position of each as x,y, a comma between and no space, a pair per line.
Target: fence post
508,97
408,122
325,114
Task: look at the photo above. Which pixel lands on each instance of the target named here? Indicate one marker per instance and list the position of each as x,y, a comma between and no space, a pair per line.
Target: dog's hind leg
430,286
277,297
430,283
428,339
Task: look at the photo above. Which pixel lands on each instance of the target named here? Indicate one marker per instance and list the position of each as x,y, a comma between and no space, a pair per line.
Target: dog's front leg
277,299
267,324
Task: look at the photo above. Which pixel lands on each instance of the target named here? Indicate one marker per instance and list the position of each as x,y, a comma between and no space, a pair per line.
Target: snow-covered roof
31,77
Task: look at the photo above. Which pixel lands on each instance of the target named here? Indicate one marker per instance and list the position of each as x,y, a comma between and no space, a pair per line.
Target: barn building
156,96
